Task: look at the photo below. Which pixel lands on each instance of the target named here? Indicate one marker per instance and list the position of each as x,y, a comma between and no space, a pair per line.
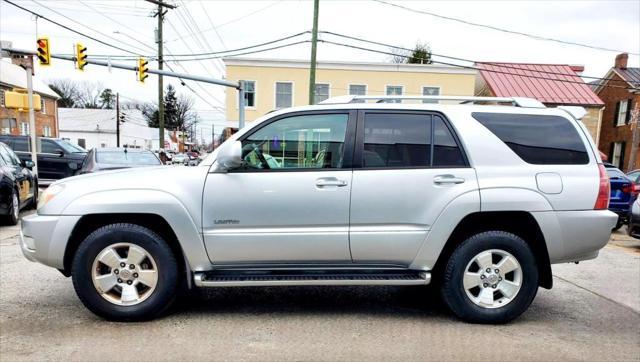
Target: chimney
621,61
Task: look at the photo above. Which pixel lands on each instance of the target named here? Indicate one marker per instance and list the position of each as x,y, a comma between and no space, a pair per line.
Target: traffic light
43,51
81,56
142,69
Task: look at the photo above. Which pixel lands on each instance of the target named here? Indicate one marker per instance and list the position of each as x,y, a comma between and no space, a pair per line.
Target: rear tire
125,272
618,224
14,209
492,277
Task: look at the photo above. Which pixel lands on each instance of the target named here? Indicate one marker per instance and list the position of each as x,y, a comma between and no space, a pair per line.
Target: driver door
289,202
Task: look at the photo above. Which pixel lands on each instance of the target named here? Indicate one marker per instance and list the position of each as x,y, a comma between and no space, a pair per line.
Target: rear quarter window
537,139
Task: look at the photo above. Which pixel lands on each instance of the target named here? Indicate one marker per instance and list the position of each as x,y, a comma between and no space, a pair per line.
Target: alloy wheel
124,274
492,279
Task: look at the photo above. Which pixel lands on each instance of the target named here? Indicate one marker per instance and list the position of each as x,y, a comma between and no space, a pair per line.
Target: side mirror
28,164
60,153
230,157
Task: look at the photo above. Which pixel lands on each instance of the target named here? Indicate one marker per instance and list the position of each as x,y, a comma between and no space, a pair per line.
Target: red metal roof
548,83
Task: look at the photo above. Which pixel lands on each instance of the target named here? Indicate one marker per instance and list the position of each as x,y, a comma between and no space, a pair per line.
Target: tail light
602,202
632,189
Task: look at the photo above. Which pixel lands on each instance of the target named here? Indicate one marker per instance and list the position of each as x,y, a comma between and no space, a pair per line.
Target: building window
249,93
2,97
8,124
430,91
24,128
284,94
622,113
358,90
394,90
617,154
43,104
321,93
46,131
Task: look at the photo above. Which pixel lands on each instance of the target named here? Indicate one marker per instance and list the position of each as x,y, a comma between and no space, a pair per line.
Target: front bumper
43,238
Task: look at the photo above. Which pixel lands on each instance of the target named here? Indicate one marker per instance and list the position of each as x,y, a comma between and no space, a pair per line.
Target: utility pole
314,45
160,15
117,119
28,66
635,138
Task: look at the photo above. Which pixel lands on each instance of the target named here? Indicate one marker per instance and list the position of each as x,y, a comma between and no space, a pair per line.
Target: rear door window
20,144
537,139
407,140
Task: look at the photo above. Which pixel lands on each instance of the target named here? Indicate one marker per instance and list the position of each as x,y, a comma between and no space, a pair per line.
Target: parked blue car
623,194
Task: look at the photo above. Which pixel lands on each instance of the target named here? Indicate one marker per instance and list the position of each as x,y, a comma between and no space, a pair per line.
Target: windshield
70,147
127,158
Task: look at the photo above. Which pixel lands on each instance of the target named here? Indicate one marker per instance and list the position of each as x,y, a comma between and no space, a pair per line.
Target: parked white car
481,199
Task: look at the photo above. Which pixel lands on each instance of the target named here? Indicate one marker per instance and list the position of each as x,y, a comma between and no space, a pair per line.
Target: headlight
49,194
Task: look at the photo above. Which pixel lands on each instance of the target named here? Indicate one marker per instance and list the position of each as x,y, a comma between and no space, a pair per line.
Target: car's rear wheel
125,272
491,277
14,209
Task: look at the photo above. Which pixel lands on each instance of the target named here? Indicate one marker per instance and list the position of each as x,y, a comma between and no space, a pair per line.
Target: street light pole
117,119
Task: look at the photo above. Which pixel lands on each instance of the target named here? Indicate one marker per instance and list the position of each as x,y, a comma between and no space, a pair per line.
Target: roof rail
516,101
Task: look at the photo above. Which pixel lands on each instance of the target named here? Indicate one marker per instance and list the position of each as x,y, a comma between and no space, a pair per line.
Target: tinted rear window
537,139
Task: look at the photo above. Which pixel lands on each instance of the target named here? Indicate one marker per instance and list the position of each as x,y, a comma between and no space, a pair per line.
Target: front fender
155,202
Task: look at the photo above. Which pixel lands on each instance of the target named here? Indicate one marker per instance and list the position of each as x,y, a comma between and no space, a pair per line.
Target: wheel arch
520,223
89,223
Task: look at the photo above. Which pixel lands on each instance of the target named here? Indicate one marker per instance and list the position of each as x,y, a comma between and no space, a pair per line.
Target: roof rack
516,101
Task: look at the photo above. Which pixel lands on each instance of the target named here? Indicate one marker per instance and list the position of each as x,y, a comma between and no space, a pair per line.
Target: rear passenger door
407,167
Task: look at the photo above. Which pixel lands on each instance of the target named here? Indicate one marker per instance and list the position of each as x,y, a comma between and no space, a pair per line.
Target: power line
533,36
213,26
465,60
83,25
68,28
230,21
464,66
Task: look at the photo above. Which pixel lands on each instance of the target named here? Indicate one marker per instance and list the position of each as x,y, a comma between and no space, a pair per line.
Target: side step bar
301,278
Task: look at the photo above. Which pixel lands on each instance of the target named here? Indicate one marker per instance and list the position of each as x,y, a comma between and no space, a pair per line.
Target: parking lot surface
592,313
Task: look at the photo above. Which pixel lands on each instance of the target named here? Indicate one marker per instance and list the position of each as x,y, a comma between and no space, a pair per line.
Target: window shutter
629,109
615,114
610,158
622,147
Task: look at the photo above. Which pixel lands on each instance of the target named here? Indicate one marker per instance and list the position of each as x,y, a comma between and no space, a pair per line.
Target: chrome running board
301,278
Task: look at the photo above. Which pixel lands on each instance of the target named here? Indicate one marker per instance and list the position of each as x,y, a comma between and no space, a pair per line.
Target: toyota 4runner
478,198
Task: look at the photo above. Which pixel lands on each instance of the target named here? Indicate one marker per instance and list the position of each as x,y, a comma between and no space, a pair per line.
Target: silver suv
478,198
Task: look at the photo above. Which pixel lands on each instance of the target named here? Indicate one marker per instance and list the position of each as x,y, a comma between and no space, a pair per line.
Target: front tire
492,277
125,272
14,209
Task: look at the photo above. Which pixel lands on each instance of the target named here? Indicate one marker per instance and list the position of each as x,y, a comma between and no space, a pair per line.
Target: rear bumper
575,235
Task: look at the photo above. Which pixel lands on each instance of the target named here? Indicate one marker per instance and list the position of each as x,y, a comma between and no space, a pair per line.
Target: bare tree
400,55
67,90
89,95
635,138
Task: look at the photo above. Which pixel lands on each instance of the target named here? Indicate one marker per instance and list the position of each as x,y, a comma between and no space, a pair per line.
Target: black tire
455,296
618,224
11,218
162,296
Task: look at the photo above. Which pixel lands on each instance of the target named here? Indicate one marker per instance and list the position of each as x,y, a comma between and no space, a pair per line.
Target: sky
198,26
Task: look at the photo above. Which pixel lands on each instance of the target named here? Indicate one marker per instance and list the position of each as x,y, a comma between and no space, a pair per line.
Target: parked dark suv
57,158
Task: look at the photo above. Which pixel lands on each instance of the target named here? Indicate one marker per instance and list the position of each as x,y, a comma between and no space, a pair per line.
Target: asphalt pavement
592,313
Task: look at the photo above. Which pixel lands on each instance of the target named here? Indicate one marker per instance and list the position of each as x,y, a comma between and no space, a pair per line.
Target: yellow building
275,84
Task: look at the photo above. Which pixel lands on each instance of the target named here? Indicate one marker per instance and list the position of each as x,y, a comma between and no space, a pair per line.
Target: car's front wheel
125,272
491,277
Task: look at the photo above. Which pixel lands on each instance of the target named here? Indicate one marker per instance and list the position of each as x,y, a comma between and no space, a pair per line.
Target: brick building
552,84
16,122
621,94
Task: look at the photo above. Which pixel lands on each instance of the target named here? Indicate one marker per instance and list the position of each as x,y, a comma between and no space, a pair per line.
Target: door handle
330,181
447,179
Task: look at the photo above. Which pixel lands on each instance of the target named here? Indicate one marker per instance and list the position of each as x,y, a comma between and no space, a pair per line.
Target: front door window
301,142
